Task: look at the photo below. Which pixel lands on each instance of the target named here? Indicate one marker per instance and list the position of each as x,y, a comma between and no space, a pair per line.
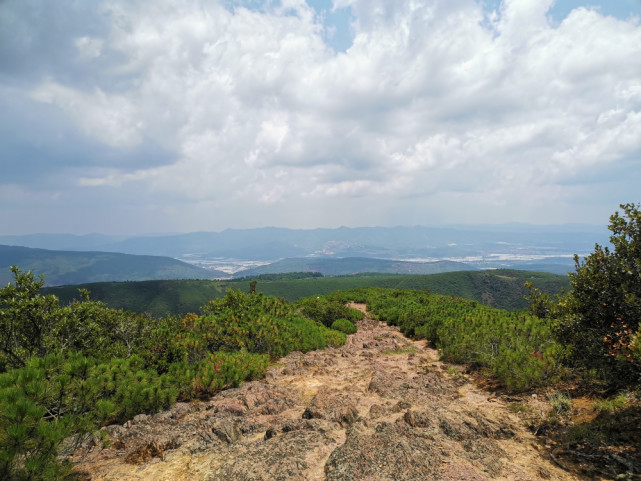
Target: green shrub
73,369
518,348
343,325
334,338
254,322
326,310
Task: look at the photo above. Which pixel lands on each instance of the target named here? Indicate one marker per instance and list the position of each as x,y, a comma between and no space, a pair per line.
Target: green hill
501,288
71,267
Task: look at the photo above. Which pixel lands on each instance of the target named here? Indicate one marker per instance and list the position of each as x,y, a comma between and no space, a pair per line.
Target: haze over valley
342,251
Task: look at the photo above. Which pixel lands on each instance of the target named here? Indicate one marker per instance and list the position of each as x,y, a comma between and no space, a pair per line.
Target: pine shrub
343,325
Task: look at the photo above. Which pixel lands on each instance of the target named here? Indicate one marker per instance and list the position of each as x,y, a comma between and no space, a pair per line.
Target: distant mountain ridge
272,243
508,246
75,267
354,265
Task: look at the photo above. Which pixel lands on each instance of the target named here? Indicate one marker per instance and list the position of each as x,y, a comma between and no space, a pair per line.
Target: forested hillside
71,267
503,289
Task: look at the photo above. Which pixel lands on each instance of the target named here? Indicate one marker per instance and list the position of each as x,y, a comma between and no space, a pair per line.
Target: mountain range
340,251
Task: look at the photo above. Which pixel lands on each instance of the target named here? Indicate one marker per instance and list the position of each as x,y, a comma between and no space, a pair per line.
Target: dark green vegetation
502,289
66,370
519,348
598,321
328,310
329,266
68,267
343,325
600,317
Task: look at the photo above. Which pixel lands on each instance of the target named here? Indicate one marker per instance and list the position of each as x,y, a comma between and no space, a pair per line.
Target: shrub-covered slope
69,369
519,348
503,289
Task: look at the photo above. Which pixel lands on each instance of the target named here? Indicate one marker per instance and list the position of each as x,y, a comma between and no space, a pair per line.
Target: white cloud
89,47
112,119
432,100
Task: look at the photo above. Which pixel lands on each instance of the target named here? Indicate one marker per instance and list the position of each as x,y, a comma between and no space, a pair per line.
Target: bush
326,311
256,323
520,349
72,369
334,338
343,325
599,318
33,325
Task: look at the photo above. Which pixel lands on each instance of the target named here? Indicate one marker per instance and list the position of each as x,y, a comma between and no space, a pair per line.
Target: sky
133,117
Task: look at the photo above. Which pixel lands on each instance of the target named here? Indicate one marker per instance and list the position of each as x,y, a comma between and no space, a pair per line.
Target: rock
418,419
280,458
273,406
401,406
380,383
152,449
376,411
230,406
114,430
389,454
227,431
331,405
162,417
296,425
140,418
461,472
544,473
180,410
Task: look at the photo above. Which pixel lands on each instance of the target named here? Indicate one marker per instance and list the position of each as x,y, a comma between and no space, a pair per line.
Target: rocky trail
382,407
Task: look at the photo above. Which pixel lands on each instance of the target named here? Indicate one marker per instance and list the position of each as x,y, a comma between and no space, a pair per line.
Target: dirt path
382,407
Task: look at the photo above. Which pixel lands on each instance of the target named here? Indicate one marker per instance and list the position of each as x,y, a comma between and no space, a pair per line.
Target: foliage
280,276
62,394
611,405
501,288
334,338
33,325
74,267
520,349
599,317
258,324
68,370
343,325
327,310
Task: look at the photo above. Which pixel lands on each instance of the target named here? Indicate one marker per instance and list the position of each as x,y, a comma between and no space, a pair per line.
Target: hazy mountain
354,265
63,242
71,267
485,246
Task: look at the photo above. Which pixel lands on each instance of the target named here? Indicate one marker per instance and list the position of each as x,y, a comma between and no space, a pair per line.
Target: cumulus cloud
440,103
111,119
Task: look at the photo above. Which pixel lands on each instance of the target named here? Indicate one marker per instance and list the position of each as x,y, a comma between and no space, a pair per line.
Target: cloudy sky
131,117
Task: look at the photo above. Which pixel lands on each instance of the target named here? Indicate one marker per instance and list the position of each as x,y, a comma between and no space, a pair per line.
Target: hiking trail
382,407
